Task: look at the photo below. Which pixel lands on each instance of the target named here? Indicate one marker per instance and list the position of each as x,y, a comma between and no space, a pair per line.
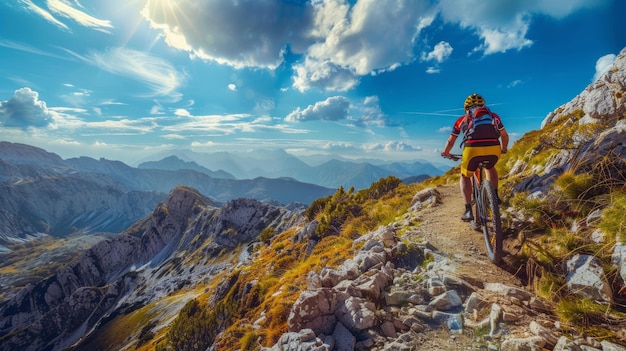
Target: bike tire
491,221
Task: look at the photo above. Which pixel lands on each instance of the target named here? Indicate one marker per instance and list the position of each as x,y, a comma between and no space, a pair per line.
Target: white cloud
440,52
181,112
503,24
400,146
63,8
24,110
603,64
253,34
514,83
43,13
232,87
158,74
340,42
339,146
324,75
332,109
371,113
174,137
373,36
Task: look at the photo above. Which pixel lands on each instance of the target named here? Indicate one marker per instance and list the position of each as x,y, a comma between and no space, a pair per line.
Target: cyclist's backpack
481,125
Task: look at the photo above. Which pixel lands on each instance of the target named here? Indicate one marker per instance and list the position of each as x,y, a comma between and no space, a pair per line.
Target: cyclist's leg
466,184
491,172
492,176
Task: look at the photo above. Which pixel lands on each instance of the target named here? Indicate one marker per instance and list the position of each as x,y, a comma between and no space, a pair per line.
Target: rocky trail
453,298
440,225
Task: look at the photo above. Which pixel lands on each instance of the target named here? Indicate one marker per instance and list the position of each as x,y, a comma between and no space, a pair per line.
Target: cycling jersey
486,135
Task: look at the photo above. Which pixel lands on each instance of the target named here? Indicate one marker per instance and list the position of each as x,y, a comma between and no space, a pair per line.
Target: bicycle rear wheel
490,220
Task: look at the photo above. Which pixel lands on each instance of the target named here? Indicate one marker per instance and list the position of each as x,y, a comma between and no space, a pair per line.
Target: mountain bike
486,211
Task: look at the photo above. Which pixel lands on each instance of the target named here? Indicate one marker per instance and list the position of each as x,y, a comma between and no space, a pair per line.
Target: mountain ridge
330,171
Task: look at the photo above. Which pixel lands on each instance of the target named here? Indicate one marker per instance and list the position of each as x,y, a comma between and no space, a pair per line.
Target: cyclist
484,140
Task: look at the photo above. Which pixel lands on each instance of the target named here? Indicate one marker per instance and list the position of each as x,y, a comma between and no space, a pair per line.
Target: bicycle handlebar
453,157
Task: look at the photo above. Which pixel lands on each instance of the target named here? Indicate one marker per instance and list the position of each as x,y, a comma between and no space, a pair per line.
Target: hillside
389,267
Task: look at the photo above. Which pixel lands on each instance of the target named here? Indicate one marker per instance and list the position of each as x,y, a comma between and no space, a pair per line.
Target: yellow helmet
473,100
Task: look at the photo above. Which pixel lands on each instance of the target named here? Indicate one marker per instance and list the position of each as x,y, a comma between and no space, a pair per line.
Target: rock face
52,314
601,106
598,114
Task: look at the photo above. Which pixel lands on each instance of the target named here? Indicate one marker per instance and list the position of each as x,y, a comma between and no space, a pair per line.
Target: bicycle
486,211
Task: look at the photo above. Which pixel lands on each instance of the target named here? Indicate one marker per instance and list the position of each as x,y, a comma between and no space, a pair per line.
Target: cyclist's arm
504,140
449,145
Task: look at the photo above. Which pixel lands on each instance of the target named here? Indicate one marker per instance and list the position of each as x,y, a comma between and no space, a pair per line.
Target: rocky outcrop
602,108
132,269
391,294
598,115
378,301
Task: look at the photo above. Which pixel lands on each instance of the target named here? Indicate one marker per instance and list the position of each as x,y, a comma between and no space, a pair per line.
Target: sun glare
166,15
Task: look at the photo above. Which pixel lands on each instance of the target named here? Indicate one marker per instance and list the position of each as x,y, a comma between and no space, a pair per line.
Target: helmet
473,100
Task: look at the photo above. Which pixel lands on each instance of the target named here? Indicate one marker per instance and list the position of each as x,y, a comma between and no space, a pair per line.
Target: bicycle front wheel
490,220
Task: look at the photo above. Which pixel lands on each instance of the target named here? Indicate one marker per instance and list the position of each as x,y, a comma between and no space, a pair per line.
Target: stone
356,313
565,344
344,340
388,329
532,343
446,301
543,332
507,290
585,278
315,310
609,346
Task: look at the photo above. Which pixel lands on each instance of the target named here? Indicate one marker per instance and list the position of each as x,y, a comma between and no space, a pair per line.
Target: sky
386,79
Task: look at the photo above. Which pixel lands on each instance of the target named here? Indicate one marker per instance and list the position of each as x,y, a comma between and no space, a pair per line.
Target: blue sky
123,79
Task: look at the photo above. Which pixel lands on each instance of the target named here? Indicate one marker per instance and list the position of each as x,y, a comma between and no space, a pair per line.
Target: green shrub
614,219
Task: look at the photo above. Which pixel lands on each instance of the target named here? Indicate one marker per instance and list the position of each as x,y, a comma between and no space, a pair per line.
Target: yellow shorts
473,155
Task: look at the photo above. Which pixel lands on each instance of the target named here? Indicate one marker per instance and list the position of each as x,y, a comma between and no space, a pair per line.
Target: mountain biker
484,139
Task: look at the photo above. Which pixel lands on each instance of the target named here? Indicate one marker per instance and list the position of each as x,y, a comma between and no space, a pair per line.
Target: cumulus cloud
253,34
332,109
338,146
24,110
446,129
440,52
340,42
603,64
371,37
392,146
503,24
324,75
371,113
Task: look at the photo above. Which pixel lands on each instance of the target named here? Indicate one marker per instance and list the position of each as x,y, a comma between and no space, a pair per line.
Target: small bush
574,186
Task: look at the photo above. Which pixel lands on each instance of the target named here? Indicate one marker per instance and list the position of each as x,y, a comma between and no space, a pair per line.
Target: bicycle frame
486,212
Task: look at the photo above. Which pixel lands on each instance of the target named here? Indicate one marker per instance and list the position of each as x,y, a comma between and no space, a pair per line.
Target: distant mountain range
42,193
331,172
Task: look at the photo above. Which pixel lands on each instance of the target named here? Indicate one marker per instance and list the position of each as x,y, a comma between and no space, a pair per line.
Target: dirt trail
442,227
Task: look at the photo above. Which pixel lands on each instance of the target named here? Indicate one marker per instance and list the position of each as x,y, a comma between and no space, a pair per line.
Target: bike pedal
475,226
